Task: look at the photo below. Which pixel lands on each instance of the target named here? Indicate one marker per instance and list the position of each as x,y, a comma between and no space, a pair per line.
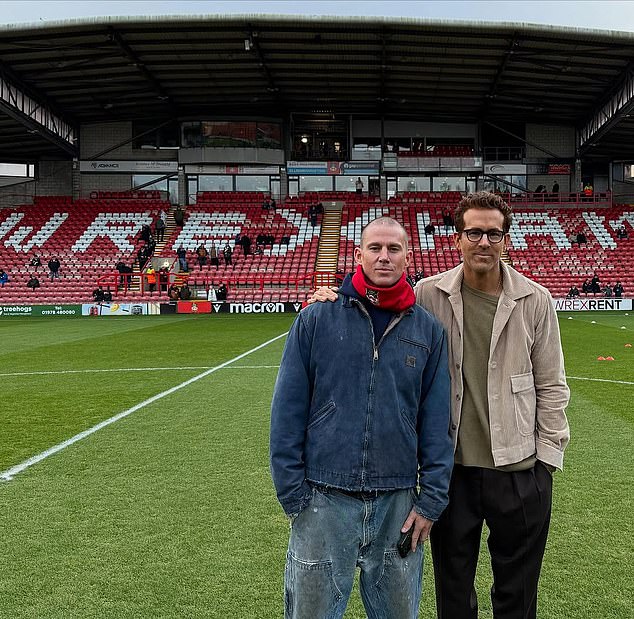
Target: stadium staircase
328,249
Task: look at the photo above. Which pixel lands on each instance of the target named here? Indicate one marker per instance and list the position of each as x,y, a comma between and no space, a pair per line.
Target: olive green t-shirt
474,433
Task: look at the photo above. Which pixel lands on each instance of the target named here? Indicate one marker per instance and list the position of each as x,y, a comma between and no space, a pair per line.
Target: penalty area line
10,473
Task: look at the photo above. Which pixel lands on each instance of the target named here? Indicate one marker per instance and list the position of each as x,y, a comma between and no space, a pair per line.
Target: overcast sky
605,15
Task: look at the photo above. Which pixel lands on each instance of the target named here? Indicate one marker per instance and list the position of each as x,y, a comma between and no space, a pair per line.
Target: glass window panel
450,183
141,179
413,183
347,183
220,182
315,183
252,183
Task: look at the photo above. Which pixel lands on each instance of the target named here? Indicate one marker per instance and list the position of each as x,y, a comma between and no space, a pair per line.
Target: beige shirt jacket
527,390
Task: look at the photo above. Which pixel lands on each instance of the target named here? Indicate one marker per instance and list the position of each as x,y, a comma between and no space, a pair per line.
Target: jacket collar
516,285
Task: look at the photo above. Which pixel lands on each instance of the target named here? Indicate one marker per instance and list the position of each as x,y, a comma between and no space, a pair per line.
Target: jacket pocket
407,340
409,423
320,414
525,402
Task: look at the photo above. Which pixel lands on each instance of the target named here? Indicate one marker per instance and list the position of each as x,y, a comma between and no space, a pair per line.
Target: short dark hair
482,200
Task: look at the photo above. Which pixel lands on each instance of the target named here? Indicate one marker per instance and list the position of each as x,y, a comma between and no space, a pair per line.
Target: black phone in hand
405,542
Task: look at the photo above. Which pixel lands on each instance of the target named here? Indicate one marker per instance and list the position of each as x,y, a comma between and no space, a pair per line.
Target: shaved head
385,221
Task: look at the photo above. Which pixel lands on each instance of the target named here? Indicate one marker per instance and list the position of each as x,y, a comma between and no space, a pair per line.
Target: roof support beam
252,42
140,65
619,104
35,116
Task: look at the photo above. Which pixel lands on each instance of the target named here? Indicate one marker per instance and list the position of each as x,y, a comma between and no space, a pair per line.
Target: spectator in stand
4,277
36,262
266,205
182,258
97,294
555,187
358,185
246,245
312,214
124,269
573,293
581,238
447,220
202,254
159,229
151,245
142,256
607,291
273,204
146,232
221,293
179,216
588,190
595,286
585,287
540,189
33,282
430,229
150,275
53,268
163,276
618,290
227,254
621,233
107,296
173,292
213,256
185,293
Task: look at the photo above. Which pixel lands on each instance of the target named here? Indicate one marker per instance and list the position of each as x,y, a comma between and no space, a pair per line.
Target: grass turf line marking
97,370
9,474
602,380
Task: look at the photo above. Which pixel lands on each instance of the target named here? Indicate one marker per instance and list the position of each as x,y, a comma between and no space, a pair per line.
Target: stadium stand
90,236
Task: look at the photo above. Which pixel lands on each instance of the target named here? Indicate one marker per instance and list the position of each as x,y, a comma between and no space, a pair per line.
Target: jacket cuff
549,454
296,503
429,509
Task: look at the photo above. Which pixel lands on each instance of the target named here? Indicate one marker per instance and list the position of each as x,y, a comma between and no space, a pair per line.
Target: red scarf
396,298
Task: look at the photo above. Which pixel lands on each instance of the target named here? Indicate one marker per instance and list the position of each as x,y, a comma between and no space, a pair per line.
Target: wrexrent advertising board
585,304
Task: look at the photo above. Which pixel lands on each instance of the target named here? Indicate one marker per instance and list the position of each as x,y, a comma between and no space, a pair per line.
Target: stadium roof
106,69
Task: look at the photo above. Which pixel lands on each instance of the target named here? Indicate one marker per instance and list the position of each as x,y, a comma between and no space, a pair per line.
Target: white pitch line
602,380
9,474
97,370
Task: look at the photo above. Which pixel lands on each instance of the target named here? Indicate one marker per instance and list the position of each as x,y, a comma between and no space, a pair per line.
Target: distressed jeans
335,534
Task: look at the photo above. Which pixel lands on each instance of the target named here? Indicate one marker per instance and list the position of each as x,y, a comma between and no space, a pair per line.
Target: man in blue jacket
360,444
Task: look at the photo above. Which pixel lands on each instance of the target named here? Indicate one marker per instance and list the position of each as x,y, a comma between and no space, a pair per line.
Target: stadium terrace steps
328,250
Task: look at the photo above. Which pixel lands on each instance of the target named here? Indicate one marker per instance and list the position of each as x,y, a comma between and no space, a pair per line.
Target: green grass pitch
170,511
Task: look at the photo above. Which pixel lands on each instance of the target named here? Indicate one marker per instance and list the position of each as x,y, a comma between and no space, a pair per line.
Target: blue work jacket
358,415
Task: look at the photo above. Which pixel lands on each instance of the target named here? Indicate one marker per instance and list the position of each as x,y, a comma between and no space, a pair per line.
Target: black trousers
516,508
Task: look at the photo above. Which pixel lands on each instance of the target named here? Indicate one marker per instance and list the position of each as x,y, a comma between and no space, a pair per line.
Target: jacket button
457,396
494,364
454,426
457,366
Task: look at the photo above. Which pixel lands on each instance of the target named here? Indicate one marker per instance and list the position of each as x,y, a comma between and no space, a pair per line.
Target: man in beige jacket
509,427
